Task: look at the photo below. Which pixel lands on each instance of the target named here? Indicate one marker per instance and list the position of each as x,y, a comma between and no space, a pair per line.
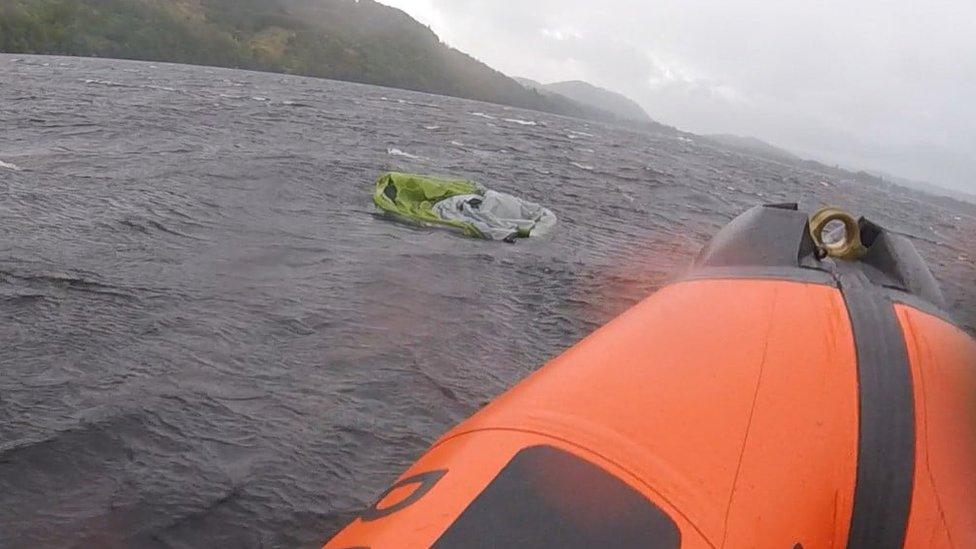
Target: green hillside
360,41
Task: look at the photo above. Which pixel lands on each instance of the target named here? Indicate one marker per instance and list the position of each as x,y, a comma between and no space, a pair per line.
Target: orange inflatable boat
788,393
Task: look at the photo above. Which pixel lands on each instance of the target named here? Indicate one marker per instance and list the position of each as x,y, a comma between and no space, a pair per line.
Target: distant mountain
752,145
929,188
582,92
597,97
355,40
529,83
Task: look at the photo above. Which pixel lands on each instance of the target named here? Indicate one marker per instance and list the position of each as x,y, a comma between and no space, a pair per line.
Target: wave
521,122
145,226
107,83
573,135
162,88
112,84
68,282
397,152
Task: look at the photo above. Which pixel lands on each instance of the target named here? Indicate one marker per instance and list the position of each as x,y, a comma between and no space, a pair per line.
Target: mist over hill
752,145
618,104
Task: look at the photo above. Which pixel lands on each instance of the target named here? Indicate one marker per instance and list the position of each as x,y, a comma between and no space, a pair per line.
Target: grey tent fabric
496,215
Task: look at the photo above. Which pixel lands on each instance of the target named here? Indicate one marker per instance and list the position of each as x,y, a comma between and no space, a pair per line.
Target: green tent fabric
411,197
461,204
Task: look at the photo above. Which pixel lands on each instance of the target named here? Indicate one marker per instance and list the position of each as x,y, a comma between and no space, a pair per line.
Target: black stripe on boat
773,242
886,427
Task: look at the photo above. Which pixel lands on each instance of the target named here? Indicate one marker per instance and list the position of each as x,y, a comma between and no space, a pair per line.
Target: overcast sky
874,84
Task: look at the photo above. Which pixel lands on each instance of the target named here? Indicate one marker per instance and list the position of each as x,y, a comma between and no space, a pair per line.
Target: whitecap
522,122
113,84
9,166
458,144
259,98
586,167
573,134
397,152
483,115
432,128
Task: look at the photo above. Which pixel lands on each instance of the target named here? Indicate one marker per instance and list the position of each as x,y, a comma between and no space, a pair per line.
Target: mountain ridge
588,94
752,145
353,40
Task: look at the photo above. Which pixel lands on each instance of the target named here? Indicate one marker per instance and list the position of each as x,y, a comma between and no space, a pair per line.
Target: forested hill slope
360,41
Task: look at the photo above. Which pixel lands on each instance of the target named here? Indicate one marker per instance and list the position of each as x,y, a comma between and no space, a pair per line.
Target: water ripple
210,340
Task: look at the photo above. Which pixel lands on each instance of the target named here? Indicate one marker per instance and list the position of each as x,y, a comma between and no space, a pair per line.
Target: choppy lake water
210,339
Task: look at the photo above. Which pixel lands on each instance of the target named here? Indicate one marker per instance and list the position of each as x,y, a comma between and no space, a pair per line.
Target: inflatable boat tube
777,396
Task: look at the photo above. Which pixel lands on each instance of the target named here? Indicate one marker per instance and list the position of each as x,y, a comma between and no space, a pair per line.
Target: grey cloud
877,84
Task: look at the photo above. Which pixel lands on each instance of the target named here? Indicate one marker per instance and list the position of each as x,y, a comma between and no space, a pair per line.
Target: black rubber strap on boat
886,431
